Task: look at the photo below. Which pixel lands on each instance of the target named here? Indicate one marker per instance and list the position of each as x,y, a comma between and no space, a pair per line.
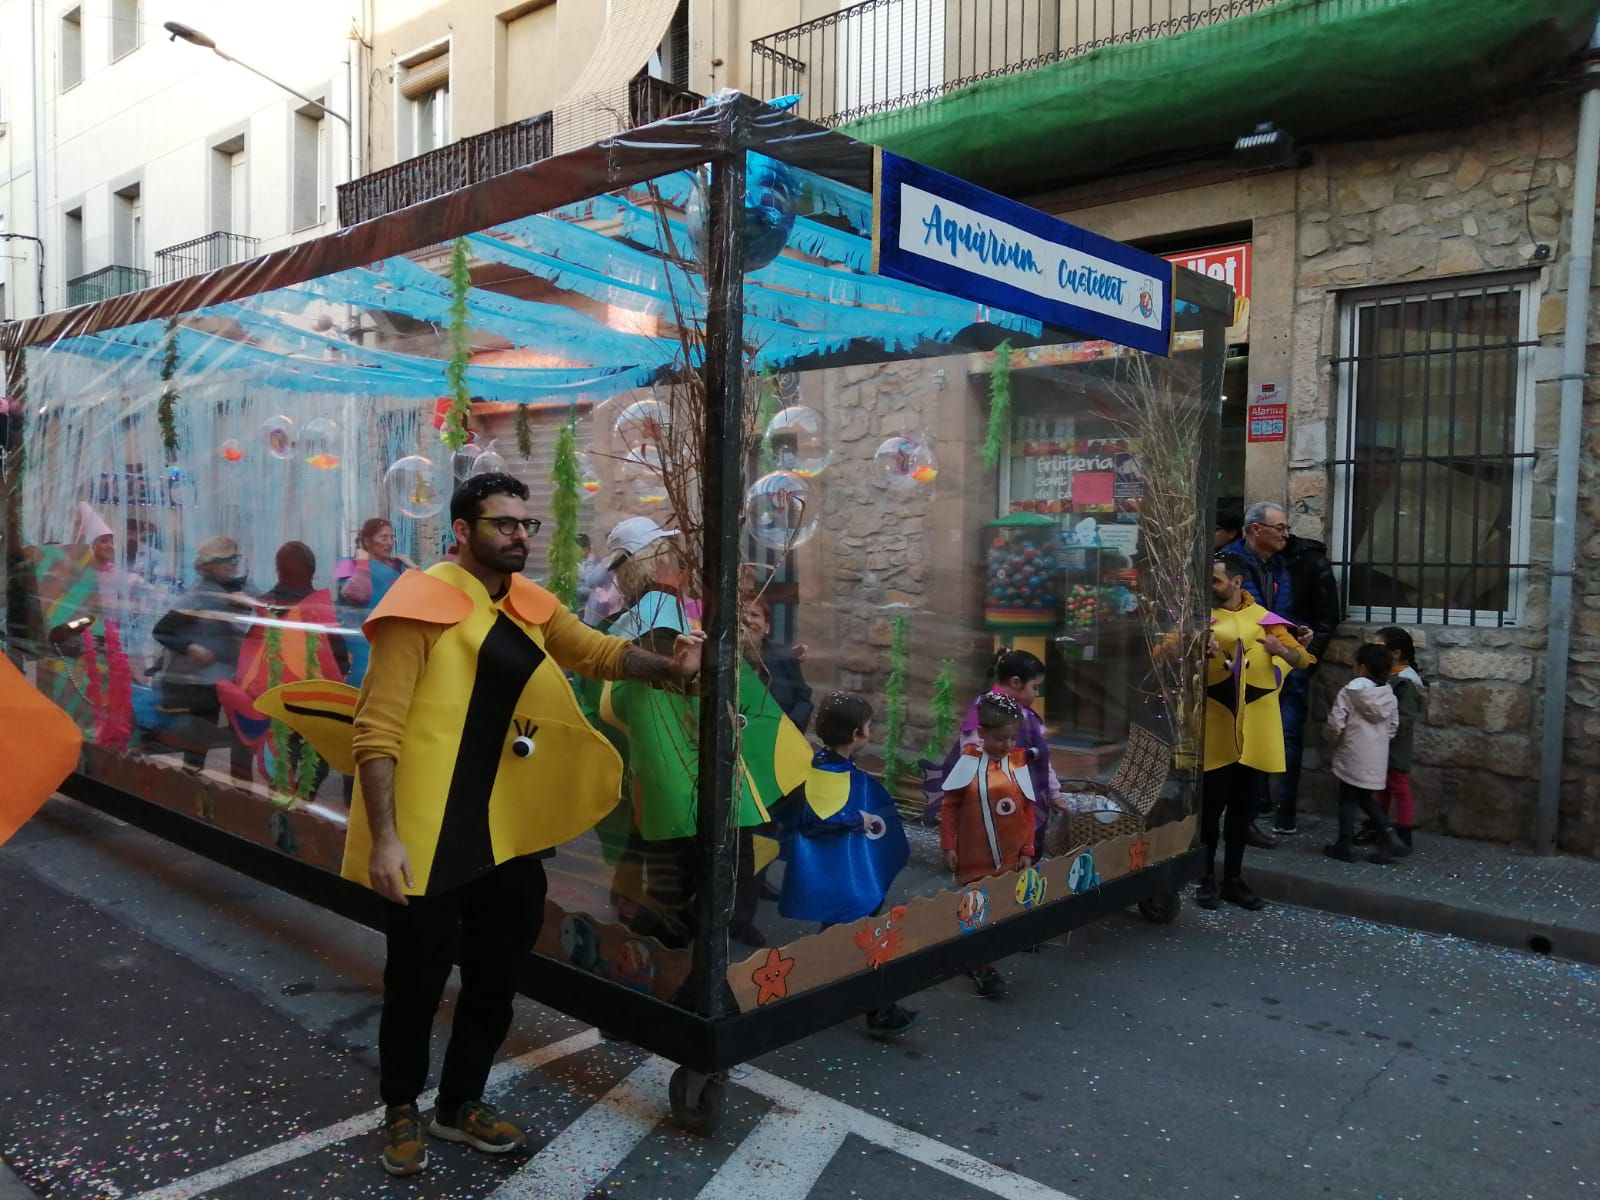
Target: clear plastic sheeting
861,490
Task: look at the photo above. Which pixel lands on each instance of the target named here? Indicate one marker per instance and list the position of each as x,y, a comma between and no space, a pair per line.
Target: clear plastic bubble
231,451
782,510
278,433
643,426
489,462
644,486
795,439
318,443
905,465
588,477
463,461
412,486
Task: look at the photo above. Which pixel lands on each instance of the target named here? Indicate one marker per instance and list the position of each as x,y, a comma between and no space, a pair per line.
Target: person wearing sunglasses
474,762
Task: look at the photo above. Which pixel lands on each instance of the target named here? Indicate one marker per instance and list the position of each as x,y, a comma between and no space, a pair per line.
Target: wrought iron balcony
887,54
202,254
476,158
104,284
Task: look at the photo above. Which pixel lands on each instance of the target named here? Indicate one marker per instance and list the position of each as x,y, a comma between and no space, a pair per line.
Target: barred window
1433,459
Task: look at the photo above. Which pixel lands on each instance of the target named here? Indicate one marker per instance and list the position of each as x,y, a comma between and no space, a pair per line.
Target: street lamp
195,38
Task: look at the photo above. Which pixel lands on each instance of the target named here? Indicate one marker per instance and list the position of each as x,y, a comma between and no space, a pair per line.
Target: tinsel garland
91,679
309,763
278,733
166,410
566,481
524,433
454,433
999,405
942,712
894,702
116,725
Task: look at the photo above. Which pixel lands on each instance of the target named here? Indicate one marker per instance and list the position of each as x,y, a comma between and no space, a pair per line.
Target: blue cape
834,872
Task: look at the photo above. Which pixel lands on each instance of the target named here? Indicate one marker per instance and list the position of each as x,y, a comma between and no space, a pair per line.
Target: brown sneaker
404,1152
480,1126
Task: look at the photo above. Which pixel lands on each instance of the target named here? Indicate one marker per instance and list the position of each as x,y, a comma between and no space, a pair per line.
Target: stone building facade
1481,205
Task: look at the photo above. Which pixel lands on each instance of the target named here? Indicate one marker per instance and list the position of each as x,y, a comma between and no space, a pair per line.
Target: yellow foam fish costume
1243,720
497,760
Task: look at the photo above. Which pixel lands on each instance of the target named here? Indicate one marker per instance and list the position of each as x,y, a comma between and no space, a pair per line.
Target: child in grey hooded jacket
1364,718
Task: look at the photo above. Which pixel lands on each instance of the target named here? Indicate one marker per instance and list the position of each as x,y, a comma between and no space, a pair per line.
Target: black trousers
1353,799
1227,799
493,922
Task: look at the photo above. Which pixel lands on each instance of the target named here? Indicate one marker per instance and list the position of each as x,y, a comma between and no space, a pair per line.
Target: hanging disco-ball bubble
231,451
278,434
905,465
782,510
464,460
770,196
318,444
412,485
644,426
642,481
489,462
795,440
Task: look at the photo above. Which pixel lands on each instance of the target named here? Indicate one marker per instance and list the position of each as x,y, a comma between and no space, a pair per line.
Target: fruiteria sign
933,229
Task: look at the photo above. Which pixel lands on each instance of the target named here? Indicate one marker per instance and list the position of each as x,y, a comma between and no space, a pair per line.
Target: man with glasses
474,762
1259,550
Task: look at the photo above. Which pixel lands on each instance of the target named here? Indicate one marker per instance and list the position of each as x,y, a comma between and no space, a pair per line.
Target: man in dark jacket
1314,603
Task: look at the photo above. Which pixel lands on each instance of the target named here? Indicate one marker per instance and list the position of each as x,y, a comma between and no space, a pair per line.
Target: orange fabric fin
531,602
418,596
39,746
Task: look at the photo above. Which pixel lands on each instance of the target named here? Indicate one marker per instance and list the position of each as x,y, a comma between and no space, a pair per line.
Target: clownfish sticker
972,911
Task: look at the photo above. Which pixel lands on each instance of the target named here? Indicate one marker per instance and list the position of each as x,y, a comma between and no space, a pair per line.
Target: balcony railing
886,54
105,283
481,156
202,254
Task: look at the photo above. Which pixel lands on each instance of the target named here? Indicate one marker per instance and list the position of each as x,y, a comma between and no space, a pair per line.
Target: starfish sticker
772,978
1139,854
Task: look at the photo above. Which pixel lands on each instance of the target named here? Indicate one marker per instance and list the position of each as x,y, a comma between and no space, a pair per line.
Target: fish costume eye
1005,806
876,828
522,747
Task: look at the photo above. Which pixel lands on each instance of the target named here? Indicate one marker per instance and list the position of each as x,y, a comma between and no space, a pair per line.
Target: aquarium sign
944,233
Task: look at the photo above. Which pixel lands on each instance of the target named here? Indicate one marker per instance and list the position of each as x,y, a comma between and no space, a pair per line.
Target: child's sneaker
1205,895
480,1126
988,981
403,1150
1340,850
891,1021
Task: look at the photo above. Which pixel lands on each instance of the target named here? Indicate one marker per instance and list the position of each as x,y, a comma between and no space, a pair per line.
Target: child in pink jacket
1364,718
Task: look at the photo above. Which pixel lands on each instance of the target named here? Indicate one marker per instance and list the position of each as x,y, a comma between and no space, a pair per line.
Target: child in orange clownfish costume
986,821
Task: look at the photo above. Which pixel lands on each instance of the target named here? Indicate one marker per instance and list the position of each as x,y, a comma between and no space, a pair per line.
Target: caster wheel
696,1101
1162,909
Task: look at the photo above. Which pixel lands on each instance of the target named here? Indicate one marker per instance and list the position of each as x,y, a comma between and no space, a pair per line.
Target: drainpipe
1574,362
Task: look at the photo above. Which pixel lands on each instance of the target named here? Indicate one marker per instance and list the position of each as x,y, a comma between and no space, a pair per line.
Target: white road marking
585,1152
367,1122
783,1157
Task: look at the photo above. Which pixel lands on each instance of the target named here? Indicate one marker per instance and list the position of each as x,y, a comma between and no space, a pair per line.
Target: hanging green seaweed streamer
454,433
166,410
565,504
524,432
942,709
278,733
999,405
308,764
894,703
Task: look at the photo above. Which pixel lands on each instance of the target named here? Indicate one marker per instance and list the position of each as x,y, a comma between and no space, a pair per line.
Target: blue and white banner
950,235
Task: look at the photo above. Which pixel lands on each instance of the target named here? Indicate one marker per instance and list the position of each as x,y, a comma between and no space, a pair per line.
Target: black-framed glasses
506,526
1280,527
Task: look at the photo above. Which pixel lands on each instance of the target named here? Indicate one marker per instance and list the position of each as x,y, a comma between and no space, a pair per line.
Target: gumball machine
1022,574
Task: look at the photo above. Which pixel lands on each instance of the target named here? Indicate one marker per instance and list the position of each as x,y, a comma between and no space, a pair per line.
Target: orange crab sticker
772,978
1139,854
881,938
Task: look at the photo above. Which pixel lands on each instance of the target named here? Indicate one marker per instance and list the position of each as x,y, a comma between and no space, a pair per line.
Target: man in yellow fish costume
474,760
1251,652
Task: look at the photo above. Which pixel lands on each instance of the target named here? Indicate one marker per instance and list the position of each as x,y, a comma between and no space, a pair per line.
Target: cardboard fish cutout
39,745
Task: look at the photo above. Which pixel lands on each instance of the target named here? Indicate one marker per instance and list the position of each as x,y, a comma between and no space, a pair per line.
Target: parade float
904,420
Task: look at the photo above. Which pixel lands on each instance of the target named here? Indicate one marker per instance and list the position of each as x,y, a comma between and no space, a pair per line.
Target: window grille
1433,460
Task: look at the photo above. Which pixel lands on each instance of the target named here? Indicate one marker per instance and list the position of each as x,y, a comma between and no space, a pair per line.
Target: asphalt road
173,1030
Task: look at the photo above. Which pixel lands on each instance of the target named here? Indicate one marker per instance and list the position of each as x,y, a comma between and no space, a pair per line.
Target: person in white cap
650,572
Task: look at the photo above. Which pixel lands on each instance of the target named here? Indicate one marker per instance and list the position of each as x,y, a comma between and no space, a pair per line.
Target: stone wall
1465,202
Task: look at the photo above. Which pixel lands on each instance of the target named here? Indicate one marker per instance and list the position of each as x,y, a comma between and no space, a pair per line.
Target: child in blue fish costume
843,842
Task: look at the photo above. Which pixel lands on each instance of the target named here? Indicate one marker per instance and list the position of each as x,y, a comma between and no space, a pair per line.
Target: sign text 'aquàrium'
992,249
